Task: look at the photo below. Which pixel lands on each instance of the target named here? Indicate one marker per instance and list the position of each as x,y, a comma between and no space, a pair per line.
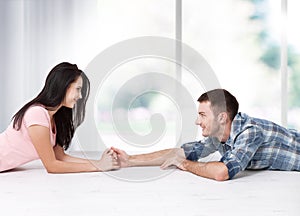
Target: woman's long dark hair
52,95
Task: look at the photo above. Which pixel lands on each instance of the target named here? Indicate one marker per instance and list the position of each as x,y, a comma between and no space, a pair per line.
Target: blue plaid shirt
253,144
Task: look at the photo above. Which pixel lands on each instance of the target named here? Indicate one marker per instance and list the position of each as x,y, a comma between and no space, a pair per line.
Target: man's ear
223,117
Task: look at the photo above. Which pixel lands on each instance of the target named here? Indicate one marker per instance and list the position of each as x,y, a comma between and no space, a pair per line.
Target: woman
44,127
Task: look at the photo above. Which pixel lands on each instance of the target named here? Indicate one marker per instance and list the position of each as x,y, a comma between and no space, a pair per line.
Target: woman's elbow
51,168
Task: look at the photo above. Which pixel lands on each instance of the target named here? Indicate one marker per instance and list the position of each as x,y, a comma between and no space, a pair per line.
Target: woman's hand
108,161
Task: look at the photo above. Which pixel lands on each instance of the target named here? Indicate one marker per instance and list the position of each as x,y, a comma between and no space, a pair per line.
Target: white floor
29,190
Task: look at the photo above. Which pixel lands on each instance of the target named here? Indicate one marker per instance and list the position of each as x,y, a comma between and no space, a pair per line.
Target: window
240,40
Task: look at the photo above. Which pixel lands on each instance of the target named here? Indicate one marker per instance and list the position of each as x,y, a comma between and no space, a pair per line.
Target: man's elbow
222,174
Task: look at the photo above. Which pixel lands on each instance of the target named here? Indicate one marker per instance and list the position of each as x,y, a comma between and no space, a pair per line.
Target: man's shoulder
245,120
241,124
240,116
240,120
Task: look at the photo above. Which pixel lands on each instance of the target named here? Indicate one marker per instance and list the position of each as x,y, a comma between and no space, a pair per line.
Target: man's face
207,120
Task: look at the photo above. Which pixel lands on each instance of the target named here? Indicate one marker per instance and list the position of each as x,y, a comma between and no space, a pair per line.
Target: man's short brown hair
221,101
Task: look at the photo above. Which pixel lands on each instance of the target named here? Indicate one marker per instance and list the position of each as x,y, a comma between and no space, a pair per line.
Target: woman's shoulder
37,108
36,111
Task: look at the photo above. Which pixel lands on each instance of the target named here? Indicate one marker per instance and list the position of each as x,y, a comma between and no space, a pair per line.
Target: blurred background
240,39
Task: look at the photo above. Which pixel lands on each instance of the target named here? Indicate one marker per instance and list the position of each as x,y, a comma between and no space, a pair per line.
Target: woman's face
73,93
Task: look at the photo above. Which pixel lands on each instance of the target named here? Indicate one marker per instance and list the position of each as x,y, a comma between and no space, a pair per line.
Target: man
243,142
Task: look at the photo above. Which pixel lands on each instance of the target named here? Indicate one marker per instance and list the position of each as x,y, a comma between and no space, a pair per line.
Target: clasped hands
114,158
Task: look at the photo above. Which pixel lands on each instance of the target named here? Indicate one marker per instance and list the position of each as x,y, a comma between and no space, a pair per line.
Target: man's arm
156,158
175,156
213,170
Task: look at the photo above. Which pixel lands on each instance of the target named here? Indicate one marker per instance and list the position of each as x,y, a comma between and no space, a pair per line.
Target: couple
44,127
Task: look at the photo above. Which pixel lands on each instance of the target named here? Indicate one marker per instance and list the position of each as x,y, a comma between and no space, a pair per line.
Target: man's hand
158,158
122,156
177,159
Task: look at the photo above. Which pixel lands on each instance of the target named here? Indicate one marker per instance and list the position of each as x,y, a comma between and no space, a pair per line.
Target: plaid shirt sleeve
245,146
196,150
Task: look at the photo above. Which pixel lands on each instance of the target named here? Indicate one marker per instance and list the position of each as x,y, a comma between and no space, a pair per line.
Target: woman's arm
40,138
62,156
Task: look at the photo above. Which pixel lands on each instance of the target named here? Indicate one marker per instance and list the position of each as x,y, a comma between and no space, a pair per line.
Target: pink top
16,147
